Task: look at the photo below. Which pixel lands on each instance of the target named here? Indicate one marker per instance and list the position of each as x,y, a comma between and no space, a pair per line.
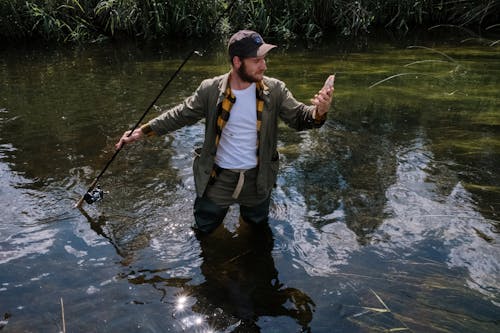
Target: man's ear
237,62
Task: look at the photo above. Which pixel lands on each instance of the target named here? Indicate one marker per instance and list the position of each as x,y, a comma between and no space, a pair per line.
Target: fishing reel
96,194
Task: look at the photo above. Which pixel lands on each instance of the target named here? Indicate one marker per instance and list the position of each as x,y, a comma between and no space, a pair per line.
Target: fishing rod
94,192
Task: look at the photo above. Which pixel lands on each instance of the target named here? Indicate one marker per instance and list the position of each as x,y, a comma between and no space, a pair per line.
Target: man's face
252,69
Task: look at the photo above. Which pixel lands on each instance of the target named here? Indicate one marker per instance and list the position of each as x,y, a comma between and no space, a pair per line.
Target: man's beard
243,74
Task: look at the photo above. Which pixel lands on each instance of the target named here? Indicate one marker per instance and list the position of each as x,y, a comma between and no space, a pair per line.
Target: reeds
435,76
86,20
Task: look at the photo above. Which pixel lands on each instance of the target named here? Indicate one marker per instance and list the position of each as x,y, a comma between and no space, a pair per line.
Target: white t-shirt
238,143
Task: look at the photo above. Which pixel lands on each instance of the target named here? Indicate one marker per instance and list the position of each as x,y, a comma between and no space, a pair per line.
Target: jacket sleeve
190,111
298,115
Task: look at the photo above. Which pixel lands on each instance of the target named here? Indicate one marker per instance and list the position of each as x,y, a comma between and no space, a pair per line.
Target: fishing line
94,194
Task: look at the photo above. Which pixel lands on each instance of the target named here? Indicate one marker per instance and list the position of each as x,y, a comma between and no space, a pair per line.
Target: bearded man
238,162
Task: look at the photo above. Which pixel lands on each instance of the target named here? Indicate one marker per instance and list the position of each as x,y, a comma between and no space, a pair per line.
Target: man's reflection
242,280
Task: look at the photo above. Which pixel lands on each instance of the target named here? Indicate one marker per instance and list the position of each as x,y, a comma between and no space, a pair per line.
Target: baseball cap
248,43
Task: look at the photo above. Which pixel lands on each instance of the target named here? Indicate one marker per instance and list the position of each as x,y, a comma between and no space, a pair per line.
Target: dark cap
248,44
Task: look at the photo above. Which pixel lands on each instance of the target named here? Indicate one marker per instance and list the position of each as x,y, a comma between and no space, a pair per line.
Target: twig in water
424,61
62,316
402,74
396,329
433,50
238,256
380,300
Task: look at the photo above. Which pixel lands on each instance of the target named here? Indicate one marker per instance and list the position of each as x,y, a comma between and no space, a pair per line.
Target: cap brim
264,48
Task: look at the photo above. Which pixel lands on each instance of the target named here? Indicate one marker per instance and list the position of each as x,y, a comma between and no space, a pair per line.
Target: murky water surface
387,218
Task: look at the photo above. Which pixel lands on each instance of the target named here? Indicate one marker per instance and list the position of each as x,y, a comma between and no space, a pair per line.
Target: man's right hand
129,138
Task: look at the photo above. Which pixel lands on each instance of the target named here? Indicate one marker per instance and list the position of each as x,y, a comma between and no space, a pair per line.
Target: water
386,218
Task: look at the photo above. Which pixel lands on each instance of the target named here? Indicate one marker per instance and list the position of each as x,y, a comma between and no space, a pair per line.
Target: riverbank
91,21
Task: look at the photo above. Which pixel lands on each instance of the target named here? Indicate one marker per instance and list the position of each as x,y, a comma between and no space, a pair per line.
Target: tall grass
86,20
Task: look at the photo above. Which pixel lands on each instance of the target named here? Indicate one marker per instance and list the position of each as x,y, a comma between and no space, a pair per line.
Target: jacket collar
223,83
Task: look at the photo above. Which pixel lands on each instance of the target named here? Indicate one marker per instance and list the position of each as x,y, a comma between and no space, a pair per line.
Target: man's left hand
322,100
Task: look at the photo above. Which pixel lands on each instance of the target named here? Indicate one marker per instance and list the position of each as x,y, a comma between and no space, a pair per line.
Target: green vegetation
93,20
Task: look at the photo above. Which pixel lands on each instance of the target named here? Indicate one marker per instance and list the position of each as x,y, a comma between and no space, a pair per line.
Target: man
238,162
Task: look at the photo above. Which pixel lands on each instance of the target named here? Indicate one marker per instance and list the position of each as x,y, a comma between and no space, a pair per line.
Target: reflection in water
344,178
319,252
421,214
29,241
22,234
338,188
240,285
242,280
98,228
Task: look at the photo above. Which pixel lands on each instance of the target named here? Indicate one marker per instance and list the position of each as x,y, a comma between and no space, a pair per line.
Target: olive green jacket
203,104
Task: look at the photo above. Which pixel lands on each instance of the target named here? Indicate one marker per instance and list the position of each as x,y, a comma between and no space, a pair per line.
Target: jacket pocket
268,174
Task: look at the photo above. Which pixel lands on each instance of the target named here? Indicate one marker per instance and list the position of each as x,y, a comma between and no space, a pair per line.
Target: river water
385,219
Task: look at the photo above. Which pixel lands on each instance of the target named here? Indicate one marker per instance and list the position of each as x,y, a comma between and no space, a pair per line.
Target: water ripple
318,252
33,240
419,215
